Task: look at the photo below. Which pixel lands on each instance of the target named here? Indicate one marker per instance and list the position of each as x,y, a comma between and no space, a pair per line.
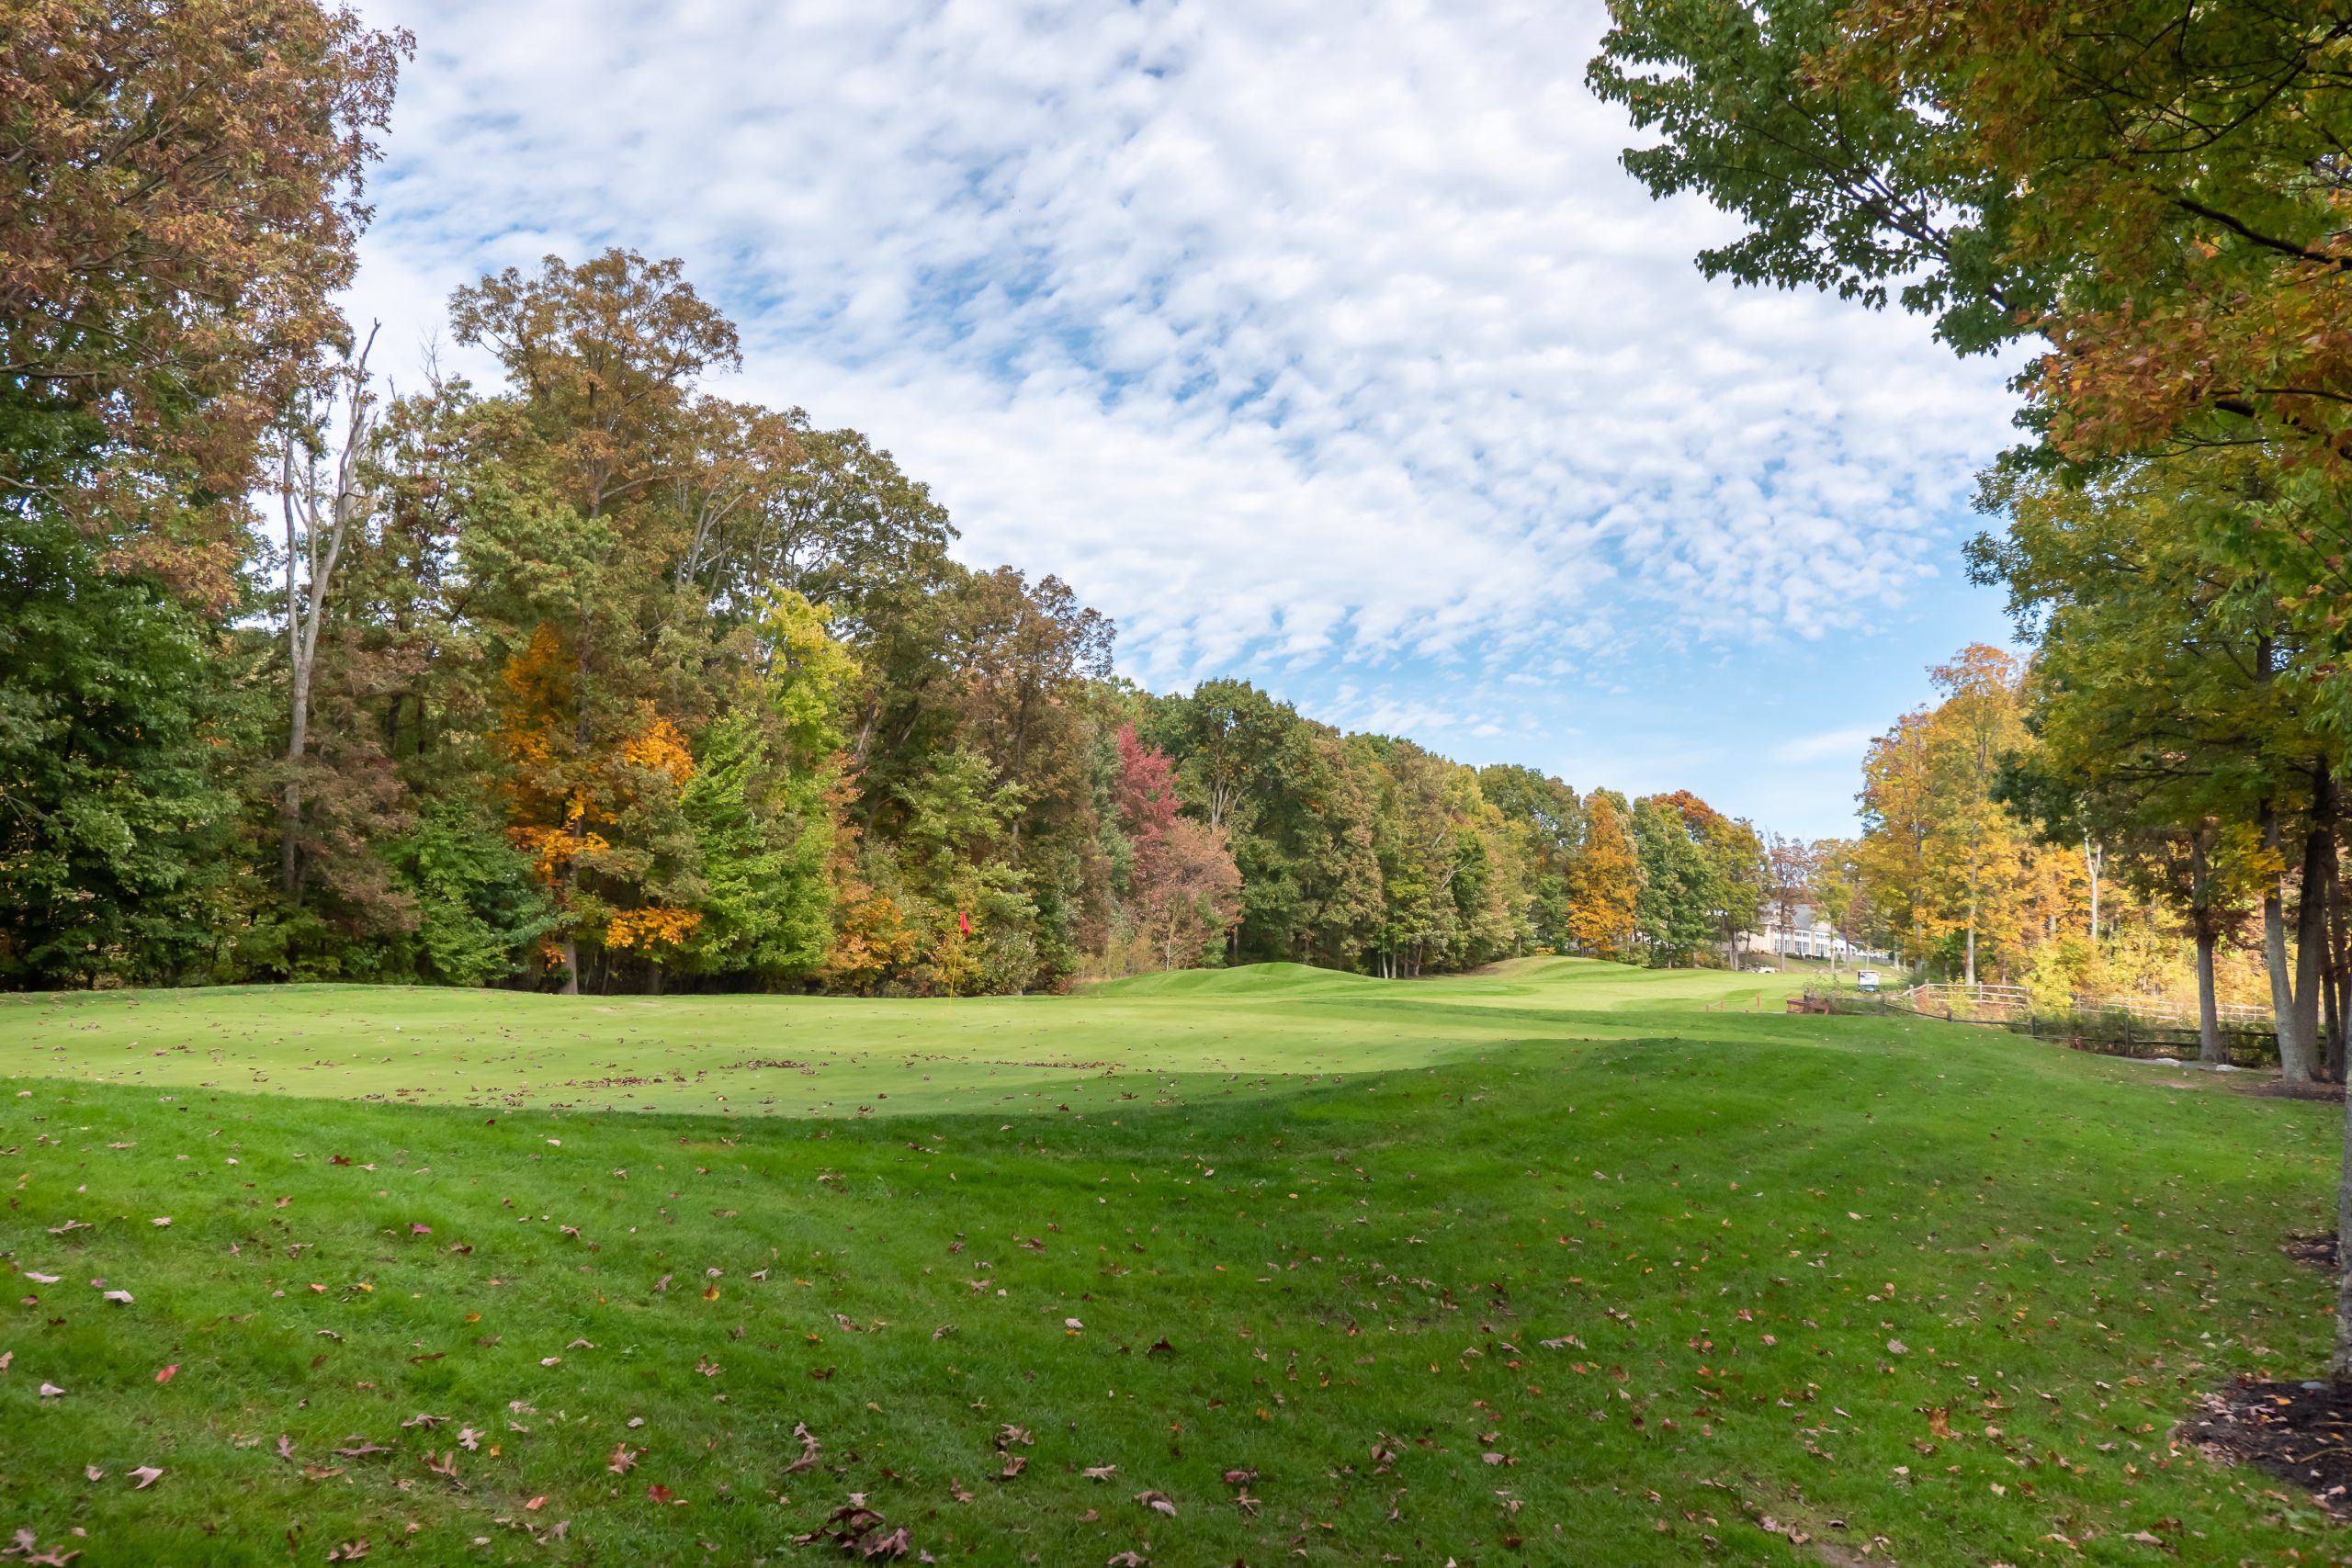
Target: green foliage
479,913
114,814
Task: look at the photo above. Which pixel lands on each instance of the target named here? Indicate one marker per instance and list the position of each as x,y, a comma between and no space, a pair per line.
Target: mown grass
1931,1291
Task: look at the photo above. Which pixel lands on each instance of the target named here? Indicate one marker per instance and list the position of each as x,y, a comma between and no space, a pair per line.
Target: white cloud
1829,745
1286,332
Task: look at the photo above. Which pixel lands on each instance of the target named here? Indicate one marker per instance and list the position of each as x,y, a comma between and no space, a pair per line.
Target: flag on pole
964,921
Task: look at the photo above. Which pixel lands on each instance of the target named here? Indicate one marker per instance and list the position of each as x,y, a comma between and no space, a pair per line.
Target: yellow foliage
660,747
658,926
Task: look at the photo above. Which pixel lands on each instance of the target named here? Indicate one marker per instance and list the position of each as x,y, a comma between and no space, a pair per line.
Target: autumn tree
1606,889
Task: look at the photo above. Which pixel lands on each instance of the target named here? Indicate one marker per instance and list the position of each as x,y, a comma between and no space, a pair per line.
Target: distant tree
1607,883
1794,865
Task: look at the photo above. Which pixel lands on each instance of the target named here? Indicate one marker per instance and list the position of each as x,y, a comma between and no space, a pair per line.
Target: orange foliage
661,747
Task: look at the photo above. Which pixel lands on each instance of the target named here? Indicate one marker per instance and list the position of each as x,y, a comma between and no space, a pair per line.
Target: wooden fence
2113,1031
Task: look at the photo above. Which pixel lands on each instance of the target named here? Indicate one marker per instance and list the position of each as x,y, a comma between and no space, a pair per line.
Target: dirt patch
2312,1247
2300,1432
2271,1088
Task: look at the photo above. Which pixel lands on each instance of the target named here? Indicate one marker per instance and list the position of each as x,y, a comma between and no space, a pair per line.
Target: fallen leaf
168,1374
623,1460
1158,1502
120,1298
1014,1465
662,1494
1100,1471
146,1475
51,1390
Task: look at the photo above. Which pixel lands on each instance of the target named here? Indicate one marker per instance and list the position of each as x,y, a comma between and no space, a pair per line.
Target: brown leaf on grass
92,1473
471,1438
1100,1471
663,1496
439,1464
1939,1422
1014,1465
535,1505
707,1367
1158,1502
1009,1434
146,1475
1240,1477
943,1331
6,1356
1161,1347
284,1447
822,1374
421,1419
808,1460
360,1447
955,1490
623,1459
350,1550
1125,1560
168,1374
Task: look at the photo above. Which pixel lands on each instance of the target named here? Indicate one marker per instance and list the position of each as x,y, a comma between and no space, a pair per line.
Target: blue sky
1321,344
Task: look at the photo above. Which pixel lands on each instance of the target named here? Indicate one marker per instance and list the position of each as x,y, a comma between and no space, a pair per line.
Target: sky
1326,345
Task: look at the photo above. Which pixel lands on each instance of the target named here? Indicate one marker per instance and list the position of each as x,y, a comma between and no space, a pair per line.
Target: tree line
588,676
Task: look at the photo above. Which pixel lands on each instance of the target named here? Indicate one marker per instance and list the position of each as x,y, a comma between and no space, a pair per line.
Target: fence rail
2113,1031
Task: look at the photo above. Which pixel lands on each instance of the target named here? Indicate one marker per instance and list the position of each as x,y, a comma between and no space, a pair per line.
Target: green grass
1354,1211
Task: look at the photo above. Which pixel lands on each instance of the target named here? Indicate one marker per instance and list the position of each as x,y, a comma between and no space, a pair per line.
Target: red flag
964,921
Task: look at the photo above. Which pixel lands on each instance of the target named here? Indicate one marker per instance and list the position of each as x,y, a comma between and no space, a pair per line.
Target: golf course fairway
1560,1262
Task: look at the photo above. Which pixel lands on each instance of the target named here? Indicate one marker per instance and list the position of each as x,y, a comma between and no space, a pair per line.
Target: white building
1806,935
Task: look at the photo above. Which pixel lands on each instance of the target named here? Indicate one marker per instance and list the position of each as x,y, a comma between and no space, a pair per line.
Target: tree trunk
2208,1021
2294,1048
2311,916
1972,942
571,964
2094,861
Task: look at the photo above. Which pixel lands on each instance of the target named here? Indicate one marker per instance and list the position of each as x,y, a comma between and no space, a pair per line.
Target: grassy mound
1247,980
1640,1292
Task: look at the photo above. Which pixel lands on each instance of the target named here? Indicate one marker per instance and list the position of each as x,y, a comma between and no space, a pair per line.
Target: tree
179,205
1606,886
1939,848
1794,867
2159,720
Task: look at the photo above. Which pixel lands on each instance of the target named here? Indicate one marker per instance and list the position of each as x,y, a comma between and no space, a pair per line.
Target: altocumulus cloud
1292,335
